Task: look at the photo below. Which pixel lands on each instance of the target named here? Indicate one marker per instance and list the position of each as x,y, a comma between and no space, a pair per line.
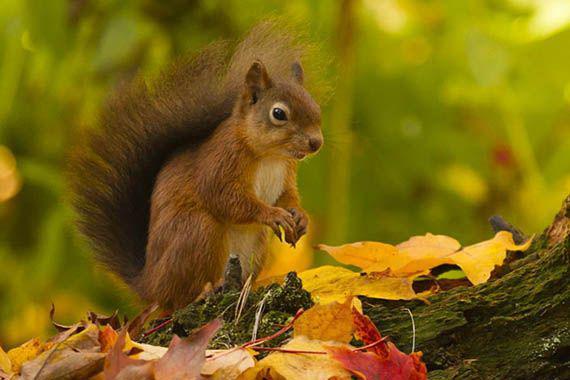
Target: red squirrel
200,165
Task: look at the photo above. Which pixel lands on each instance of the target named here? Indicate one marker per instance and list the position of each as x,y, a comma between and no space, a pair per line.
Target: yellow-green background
456,110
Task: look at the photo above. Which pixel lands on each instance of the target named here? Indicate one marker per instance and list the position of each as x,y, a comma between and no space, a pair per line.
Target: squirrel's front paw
301,221
277,217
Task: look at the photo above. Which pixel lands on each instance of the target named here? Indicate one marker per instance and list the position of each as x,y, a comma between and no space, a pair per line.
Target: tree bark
513,327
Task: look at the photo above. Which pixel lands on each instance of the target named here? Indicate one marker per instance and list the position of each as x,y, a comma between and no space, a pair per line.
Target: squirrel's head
281,118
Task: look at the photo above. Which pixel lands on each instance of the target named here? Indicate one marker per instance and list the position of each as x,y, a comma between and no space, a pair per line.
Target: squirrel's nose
315,143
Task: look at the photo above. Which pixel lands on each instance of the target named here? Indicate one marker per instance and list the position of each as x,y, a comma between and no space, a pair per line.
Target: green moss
280,303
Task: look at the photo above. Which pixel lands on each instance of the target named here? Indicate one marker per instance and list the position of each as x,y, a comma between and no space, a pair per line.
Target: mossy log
516,326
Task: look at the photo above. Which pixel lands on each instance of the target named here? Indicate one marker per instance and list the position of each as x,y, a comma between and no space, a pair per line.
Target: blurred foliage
460,110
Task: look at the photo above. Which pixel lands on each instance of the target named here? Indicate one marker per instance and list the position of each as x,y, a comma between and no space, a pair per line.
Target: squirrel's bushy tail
113,171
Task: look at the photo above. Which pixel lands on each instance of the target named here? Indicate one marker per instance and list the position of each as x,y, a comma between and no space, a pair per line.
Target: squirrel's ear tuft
298,72
257,80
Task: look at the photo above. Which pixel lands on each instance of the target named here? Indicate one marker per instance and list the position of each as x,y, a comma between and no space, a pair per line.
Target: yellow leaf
329,283
284,258
479,260
429,245
5,362
426,252
419,254
294,366
228,365
25,352
332,321
366,254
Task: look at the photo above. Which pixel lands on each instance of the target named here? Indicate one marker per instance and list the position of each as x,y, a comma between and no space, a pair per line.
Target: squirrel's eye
278,114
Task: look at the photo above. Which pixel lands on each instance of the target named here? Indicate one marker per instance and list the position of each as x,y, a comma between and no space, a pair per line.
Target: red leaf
382,361
370,366
366,331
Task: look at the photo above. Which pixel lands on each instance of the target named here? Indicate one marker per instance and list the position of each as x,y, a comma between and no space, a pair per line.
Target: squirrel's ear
298,72
256,80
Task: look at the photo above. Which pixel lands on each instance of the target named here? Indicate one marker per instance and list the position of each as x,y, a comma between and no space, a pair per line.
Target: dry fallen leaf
368,365
185,357
367,254
228,364
383,361
365,330
118,365
419,254
294,366
107,338
332,321
479,260
5,362
27,351
330,283
78,356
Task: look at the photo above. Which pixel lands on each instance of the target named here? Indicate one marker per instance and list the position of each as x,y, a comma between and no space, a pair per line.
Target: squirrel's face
282,119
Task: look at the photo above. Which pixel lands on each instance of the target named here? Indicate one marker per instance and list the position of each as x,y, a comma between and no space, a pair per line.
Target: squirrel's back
113,171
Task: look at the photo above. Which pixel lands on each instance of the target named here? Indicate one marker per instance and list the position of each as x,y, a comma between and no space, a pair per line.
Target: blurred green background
444,113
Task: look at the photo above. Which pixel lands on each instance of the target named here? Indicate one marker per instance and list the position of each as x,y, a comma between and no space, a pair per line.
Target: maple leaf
293,366
419,254
185,357
331,283
332,321
227,364
383,361
119,365
366,331
369,365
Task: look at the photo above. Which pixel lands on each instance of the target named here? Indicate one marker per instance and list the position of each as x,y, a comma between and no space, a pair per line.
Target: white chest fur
269,180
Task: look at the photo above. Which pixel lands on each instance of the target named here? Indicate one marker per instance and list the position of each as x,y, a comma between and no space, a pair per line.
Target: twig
413,329
242,300
156,328
258,316
289,351
370,345
275,335
261,340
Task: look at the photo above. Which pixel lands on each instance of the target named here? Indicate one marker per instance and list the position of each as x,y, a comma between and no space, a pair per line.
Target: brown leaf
77,356
118,365
185,357
63,363
103,320
58,326
135,326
